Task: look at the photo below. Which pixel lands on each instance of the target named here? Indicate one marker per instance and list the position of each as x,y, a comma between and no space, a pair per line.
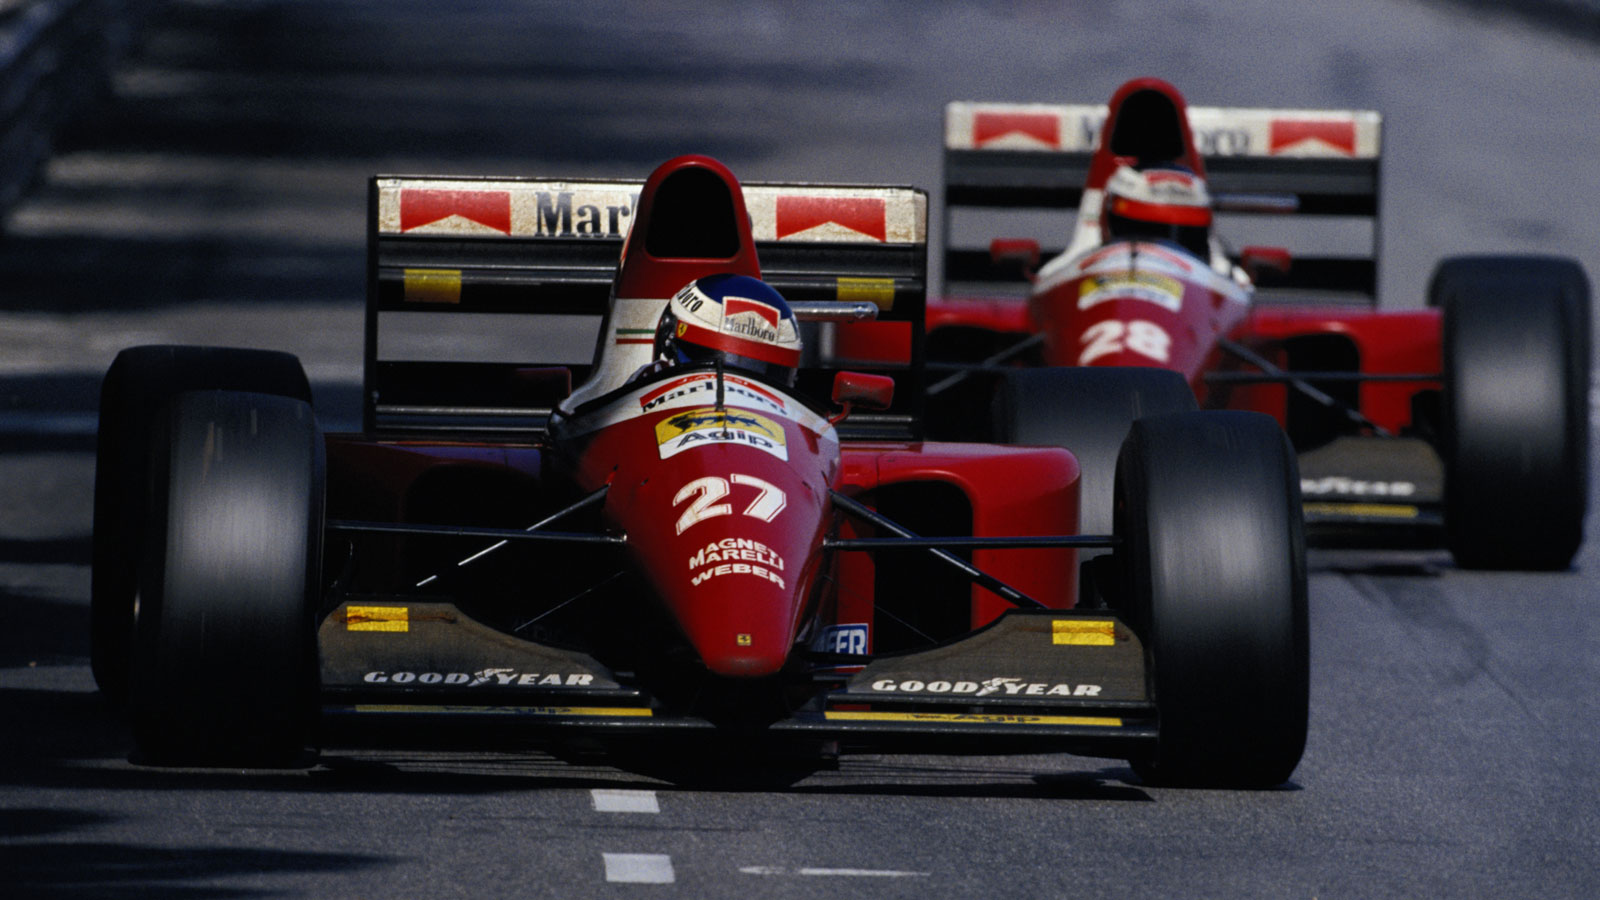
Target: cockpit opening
693,218
1148,129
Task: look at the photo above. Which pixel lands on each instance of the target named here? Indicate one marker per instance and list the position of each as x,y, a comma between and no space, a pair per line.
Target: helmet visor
1192,238
685,353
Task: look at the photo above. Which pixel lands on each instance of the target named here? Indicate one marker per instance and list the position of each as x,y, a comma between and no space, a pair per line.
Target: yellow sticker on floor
377,618
1084,632
1369,510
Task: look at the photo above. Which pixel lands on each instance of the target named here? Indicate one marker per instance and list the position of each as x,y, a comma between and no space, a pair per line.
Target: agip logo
706,426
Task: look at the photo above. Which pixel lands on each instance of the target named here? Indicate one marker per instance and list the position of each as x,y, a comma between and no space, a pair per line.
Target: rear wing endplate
1259,162
480,289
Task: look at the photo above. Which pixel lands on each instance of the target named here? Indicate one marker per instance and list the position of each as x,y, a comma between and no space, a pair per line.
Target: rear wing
1291,166
485,296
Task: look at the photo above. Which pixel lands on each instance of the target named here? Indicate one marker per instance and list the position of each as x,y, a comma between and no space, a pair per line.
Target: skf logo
488,209
849,639
1016,129
861,215
1310,137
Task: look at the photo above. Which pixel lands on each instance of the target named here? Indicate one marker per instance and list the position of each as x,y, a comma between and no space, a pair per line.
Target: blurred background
206,181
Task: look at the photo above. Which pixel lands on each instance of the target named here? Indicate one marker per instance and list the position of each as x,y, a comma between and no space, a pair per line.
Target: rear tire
137,387
1214,581
1088,411
1515,417
225,661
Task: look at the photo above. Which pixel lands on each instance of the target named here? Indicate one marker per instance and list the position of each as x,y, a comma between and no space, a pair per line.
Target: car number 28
703,495
1114,336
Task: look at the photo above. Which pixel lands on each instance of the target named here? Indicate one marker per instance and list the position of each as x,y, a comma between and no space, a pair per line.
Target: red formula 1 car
681,545
1465,422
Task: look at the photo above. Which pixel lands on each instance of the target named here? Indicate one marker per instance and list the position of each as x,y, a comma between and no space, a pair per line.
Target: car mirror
1265,261
1019,255
858,389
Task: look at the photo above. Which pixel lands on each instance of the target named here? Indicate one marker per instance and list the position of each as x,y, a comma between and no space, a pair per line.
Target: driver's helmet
1157,204
735,318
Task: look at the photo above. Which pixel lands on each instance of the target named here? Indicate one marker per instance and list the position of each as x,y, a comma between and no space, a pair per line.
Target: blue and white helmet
736,318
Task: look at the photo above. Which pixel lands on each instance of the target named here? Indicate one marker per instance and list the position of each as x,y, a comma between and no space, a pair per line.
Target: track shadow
52,391
39,630
87,272
744,766
46,413
72,551
41,859
55,729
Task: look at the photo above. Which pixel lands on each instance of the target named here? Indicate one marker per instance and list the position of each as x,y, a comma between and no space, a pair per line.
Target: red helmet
1158,204
735,318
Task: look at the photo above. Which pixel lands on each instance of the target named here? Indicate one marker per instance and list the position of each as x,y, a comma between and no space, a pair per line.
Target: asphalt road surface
1454,748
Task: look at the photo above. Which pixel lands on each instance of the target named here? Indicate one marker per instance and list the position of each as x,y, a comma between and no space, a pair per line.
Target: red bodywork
730,531
1383,343
723,493
1010,491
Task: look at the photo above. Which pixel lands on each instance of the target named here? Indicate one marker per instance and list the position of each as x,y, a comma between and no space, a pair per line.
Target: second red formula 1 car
1465,422
717,532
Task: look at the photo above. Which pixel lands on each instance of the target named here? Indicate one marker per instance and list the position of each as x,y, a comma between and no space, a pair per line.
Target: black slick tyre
1086,410
138,385
225,667
1214,581
1515,409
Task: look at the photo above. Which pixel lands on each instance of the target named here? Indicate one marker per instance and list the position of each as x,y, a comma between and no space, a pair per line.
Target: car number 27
703,495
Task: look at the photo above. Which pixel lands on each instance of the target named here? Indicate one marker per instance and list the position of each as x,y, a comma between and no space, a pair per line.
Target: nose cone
739,602
736,585
728,554
724,507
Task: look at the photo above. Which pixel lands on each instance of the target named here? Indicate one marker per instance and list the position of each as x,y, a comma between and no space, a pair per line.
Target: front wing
1032,681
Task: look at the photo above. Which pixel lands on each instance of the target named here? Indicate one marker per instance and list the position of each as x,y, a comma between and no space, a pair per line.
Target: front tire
225,661
1214,580
1515,424
136,388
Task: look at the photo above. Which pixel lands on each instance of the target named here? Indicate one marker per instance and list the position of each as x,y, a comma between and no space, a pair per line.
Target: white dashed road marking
846,873
620,801
639,868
